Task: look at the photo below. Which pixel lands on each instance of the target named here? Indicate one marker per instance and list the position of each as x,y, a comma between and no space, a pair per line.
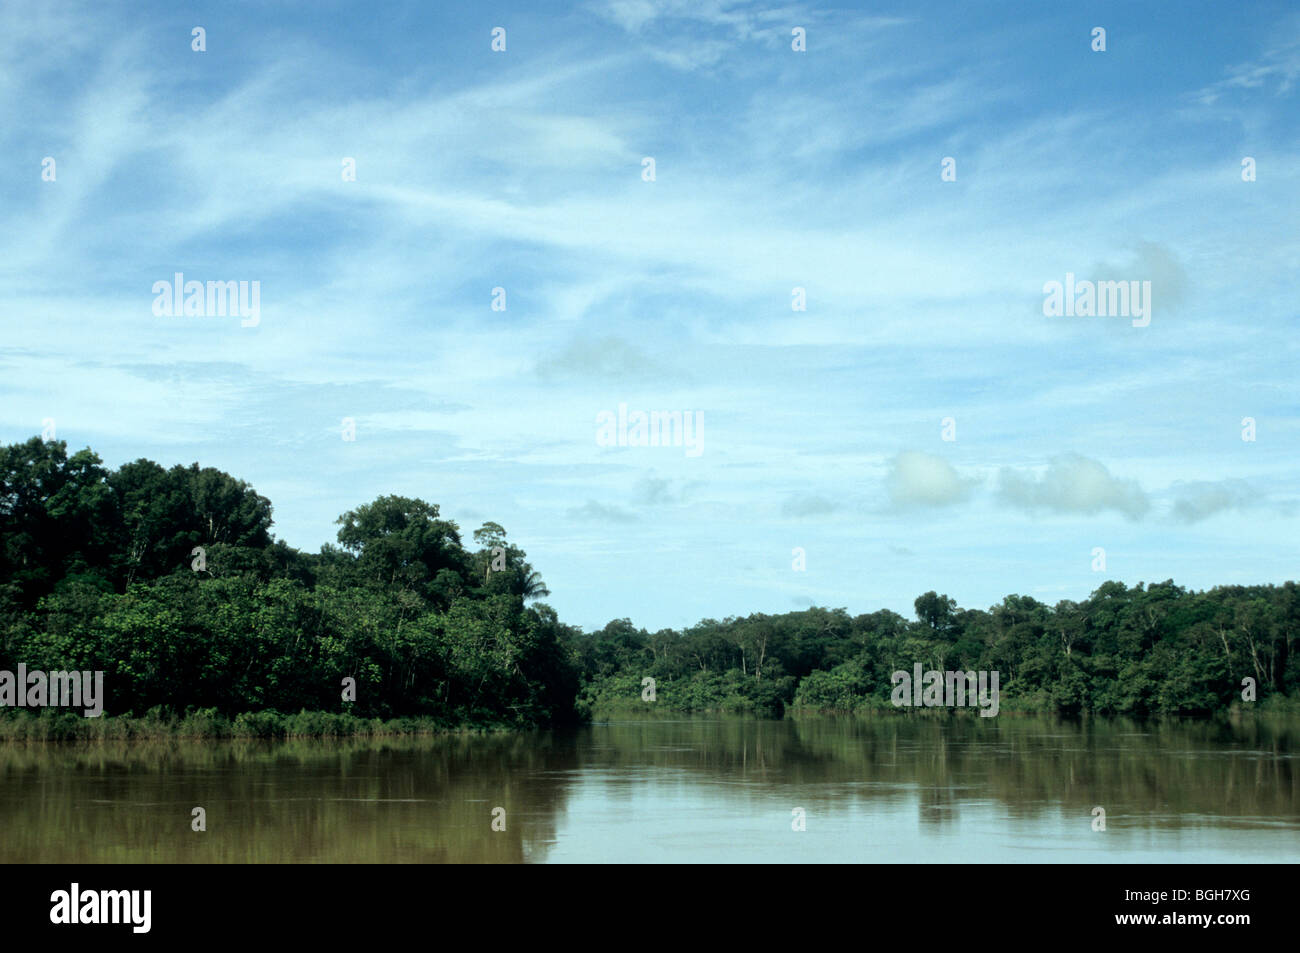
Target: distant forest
170,582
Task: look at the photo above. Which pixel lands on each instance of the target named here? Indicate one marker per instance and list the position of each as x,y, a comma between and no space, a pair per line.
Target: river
893,788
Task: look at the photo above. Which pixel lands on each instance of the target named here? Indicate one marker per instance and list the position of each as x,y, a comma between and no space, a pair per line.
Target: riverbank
210,724
851,689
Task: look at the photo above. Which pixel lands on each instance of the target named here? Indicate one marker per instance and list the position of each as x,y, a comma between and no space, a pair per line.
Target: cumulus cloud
1198,501
922,479
1074,484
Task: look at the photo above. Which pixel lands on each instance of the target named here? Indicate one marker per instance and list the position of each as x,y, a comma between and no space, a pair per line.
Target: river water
893,788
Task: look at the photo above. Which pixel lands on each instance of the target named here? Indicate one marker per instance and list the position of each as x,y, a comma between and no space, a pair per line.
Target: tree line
171,583
1140,650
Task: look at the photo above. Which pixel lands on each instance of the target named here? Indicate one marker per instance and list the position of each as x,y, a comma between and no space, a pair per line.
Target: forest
1141,650
171,583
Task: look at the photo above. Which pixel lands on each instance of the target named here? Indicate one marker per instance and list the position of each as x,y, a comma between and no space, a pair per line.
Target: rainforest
170,581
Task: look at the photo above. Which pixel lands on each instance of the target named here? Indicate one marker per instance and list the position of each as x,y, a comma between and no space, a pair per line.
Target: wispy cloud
1274,71
776,170
808,506
595,512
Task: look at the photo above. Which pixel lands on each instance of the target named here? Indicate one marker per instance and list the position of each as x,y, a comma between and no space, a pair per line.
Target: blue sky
775,169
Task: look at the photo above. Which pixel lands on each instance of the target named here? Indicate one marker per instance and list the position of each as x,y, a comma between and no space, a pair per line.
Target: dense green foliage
1146,649
98,572
162,724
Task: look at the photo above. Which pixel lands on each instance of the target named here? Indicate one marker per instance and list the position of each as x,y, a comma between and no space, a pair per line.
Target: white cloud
1277,67
922,479
775,170
1199,501
1074,484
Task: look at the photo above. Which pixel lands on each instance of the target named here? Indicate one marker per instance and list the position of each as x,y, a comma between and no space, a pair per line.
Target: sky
921,424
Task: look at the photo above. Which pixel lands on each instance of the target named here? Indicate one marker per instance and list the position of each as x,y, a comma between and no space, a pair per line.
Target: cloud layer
776,170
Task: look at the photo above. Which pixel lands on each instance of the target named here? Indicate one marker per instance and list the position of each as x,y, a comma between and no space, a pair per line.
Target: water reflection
903,788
